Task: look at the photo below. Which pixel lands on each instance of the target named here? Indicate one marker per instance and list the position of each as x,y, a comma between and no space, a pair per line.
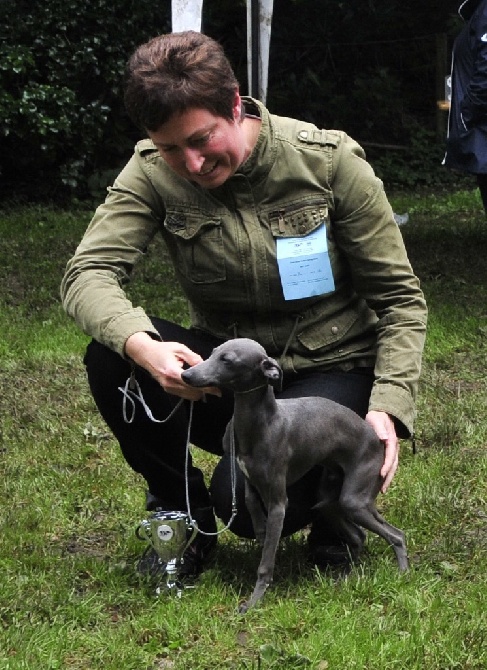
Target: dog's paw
244,607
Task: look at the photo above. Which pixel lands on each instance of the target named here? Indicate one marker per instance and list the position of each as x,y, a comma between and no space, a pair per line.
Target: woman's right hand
165,361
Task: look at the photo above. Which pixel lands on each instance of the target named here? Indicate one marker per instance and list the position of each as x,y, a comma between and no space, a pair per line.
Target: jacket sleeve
473,107
369,237
116,239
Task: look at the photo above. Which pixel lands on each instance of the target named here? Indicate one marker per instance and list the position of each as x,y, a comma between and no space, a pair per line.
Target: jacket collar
260,161
467,8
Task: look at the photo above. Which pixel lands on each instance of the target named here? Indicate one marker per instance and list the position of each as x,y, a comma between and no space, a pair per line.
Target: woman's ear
237,107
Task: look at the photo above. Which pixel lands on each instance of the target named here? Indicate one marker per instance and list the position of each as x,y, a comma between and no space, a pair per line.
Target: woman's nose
193,160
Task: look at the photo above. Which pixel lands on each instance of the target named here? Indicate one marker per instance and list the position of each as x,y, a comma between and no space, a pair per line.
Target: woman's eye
166,149
199,141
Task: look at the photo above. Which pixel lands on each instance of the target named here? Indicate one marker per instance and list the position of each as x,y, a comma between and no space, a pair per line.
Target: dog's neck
252,412
254,388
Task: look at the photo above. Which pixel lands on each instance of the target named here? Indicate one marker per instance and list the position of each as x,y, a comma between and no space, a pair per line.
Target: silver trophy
170,534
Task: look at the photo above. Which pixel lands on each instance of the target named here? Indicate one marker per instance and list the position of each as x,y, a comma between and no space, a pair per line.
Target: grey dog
277,441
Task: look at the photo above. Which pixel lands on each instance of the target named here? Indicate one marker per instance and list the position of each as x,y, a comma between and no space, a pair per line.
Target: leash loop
131,395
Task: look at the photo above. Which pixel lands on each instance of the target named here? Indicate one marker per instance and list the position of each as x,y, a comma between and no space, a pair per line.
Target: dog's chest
242,466
258,472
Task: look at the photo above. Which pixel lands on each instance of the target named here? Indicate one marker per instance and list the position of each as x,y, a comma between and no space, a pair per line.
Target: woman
278,231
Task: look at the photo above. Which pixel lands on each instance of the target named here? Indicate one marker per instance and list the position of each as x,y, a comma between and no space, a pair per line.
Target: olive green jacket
223,246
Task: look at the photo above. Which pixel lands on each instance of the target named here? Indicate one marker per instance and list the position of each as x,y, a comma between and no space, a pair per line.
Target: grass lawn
71,598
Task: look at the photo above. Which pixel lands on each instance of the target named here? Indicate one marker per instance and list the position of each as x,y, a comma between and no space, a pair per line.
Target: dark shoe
197,557
330,556
329,549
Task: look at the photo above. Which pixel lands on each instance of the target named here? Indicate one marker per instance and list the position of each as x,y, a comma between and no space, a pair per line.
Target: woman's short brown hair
175,72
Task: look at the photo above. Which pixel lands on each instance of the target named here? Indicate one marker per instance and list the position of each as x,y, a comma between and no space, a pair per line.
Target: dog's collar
256,388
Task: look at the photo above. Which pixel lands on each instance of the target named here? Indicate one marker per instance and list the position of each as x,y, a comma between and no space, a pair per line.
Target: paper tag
304,265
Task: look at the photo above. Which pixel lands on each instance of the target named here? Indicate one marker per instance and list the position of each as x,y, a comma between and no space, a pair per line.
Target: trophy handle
193,529
143,531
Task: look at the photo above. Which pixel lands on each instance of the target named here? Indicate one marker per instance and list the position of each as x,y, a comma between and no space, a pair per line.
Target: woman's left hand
383,425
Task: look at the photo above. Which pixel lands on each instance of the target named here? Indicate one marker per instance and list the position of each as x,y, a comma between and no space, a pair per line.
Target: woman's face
202,147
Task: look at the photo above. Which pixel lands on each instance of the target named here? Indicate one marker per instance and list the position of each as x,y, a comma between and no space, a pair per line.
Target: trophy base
174,585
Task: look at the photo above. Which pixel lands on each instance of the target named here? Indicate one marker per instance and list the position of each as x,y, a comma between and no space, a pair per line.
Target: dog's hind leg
368,517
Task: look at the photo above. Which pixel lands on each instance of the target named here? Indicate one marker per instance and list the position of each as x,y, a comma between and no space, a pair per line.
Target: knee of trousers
100,361
299,511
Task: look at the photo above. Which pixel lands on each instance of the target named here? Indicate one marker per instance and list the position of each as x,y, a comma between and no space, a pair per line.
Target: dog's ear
272,370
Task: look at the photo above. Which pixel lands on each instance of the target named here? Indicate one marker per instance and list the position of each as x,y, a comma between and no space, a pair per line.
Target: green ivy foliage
61,71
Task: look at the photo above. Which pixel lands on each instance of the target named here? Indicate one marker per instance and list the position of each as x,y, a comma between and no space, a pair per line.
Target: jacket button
302,229
334,330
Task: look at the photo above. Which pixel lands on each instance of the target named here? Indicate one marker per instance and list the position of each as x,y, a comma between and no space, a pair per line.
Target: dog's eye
225,358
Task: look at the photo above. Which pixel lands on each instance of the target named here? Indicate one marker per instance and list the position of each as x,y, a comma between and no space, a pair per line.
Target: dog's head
239,365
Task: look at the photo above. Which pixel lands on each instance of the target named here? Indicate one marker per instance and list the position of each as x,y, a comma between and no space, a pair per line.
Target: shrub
61,71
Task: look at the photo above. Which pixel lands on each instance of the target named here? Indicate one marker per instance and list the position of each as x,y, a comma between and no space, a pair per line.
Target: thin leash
131,392
233,478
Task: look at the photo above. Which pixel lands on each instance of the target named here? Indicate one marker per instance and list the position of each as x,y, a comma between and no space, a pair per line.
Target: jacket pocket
344,330
198,241
298,219
321,335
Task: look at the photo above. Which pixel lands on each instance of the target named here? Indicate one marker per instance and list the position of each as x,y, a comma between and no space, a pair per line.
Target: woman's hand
165,361
383,425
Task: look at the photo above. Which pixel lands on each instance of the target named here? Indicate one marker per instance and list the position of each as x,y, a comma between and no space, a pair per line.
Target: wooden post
254,34
259,20
186,15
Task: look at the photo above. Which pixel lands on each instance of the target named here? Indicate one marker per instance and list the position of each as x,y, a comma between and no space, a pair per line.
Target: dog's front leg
265,572
256,511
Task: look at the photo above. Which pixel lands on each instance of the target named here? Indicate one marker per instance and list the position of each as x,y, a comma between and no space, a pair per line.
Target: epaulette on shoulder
146,147
321,137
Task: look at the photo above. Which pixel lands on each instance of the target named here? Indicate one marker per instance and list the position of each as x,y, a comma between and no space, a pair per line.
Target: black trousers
158,450
482,184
